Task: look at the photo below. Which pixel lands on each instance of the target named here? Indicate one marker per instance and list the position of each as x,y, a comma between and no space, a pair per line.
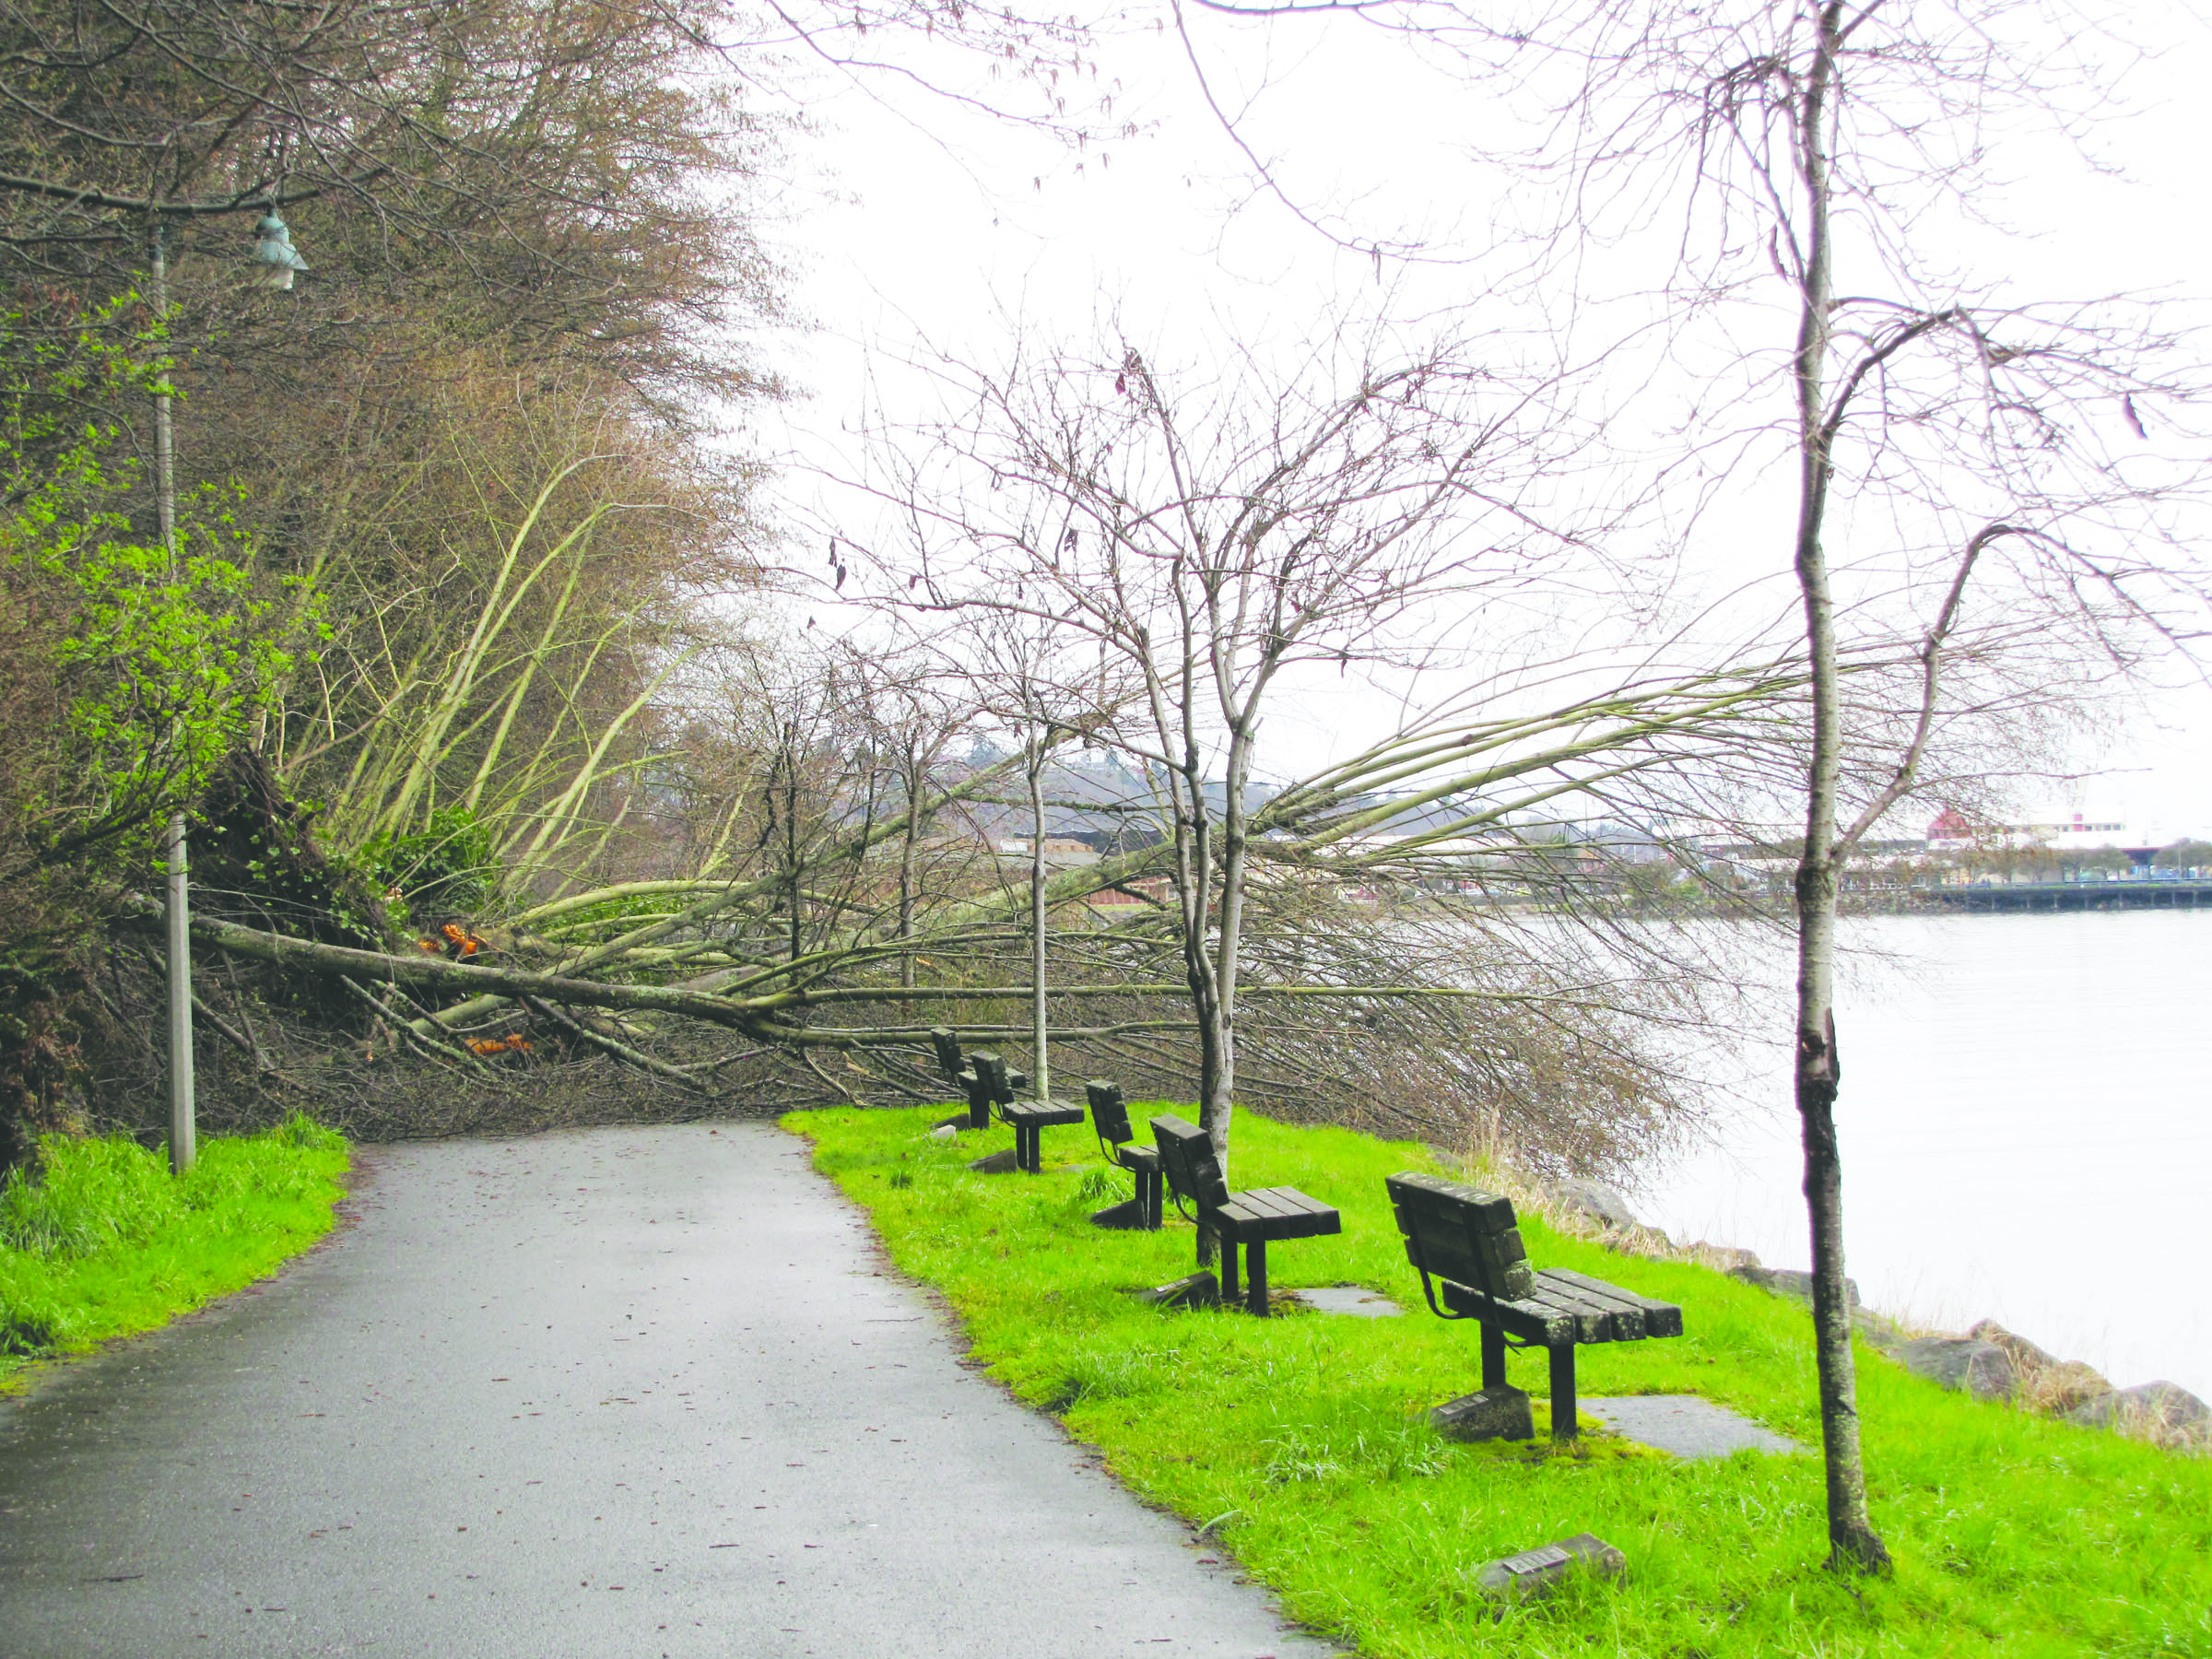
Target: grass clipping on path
101,1241
1303,1439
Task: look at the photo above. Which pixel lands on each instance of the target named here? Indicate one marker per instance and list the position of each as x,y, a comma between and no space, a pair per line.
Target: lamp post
278,262
183,1128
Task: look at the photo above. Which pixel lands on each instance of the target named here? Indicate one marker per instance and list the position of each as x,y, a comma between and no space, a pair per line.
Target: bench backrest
1186,1159
1462,1233
948,1052
1108,1112
991,1076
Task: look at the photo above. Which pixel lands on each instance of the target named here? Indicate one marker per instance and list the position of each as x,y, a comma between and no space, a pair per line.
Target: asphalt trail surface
622,1392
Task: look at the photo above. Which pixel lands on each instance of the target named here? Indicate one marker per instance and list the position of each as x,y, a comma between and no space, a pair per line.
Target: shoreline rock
1789,1281
1595,1201
2047,1383
1982,1369
2000,1366
2164,1413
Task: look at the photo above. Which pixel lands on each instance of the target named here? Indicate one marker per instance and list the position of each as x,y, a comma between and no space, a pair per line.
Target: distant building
1061,852
1952,832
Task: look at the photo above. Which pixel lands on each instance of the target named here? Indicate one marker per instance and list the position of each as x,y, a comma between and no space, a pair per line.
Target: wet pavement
619,1391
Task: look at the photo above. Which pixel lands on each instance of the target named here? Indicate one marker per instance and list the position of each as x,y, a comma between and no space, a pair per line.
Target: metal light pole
184,1127
273,251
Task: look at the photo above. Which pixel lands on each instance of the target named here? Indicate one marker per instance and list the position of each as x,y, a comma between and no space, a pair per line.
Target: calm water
2027,1126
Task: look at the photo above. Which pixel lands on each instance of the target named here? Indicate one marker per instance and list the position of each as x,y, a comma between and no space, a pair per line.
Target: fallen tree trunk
764,1019
509,984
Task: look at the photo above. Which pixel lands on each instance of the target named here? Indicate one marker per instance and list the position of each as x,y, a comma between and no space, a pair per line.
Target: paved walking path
624,1391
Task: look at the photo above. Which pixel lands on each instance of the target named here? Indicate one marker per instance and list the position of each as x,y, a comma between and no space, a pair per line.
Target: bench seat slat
1659,1318
1258,1202
1557,1319
1272,1218
1523,1320
1620,1322
1043,1113
1284,1201
1591,1310
1592,1322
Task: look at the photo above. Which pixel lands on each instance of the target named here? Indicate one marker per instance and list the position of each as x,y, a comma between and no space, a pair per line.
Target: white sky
930,225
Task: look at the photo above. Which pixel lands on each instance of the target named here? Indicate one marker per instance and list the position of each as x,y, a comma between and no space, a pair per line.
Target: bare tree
1011,662
1207,544
1969,450
1979,458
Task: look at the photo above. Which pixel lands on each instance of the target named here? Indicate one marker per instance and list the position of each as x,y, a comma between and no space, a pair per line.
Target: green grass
103,1243
1303,1439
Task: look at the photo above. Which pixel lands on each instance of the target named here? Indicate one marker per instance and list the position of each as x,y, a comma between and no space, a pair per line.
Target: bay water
2025,1121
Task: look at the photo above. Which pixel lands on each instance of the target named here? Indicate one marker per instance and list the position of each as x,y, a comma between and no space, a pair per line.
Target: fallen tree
1432,984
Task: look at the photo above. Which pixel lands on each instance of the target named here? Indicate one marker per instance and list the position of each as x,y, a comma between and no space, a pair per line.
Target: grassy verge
102,1242
1303,1440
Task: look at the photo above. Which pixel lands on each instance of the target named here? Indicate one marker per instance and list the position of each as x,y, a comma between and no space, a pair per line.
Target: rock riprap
2164,1412
1982,1369
1596,1200
2046,1383
1789,1281
1993,1363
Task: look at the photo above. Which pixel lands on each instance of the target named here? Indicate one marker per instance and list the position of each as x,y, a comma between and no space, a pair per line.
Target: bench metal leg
1493,1356
1149,1194
1228,1270
1564,1426
1255,1277
1025,1136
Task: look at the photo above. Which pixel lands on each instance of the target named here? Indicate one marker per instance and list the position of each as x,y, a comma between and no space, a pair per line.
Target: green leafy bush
133,668
444,868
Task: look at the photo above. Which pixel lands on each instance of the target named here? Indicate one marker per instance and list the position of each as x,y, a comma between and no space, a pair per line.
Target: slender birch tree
1960,443
1203,543
1983,486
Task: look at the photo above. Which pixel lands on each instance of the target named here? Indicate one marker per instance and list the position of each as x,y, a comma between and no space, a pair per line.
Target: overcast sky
916,222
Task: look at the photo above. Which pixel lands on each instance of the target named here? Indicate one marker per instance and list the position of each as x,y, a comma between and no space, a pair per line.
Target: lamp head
276,259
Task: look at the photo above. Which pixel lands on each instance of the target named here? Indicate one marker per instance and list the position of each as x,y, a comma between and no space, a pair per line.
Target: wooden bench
996,1087
948,1052
1466,1241
961,1072
1109,1120
1253,1219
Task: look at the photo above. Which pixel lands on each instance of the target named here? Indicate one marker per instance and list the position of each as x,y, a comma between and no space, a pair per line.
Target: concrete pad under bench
1347,1299
1686,1424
